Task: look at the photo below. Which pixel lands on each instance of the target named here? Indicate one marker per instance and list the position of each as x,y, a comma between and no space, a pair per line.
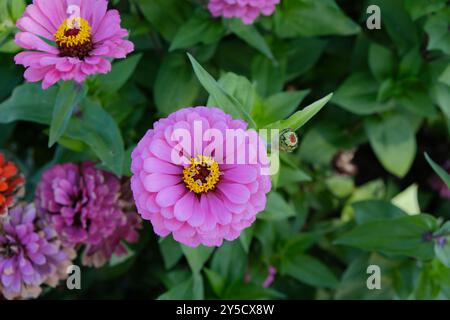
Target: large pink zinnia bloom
67,48
246,10
208,199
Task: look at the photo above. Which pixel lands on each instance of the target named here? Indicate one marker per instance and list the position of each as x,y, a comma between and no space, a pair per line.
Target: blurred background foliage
355,193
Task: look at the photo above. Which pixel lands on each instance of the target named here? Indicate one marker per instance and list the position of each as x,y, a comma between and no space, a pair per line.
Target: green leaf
277,208
69,96
312,18
309,270
358,94
309,49
411,63
250,34
407,200
119,75
439,170
175,85
437,29
393,141
372,210
398,23
225,101
399,236
381,62
445,76
167,16
291,176
29,102
300,118
420,8
230,261
217,281
197,257
341,186
246,238
171,251
268,75
200,28
96,128
182,291
238,87
278,106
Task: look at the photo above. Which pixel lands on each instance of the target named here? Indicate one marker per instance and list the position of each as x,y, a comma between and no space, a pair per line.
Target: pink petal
156,181
184,208
169,196
236,193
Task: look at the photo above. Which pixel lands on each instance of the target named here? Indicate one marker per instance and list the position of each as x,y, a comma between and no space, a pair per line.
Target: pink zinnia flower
246,10
66,46
205,199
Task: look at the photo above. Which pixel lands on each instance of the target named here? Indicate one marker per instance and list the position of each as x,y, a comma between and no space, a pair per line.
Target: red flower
11,185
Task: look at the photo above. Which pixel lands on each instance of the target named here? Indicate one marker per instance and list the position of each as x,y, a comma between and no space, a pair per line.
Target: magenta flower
204,199
31,254
69,40
85,206
246,10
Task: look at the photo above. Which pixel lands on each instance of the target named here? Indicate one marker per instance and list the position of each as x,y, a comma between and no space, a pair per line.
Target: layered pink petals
246,10
162,197
44,62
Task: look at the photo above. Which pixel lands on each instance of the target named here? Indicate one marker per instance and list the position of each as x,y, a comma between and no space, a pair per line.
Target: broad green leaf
311,18
182,291
407,200
268,75
200,28
29,102
309,270
399,236
230,261
225,101
165,15
358,94
445,76
277,208
238,87
291,176
411,63
417,100
442,96
372,210
439,170
170,251
175,85
437,30
250,34
309,49
420,8
197,257
300,118
68,97
119,75
216,280
341,186
393,141
381,62
278,106
96,128
398,23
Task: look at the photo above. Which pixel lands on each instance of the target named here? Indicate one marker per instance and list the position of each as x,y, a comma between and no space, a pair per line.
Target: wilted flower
85,206
246,10
11,185
126,230
205,199
69,40
438,185
31,254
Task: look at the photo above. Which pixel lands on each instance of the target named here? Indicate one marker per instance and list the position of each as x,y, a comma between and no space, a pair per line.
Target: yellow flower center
202,175
73,32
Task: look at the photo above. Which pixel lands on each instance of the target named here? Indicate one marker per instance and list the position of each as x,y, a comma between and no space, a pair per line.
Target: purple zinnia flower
246,10
84,204
31,254
205,199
